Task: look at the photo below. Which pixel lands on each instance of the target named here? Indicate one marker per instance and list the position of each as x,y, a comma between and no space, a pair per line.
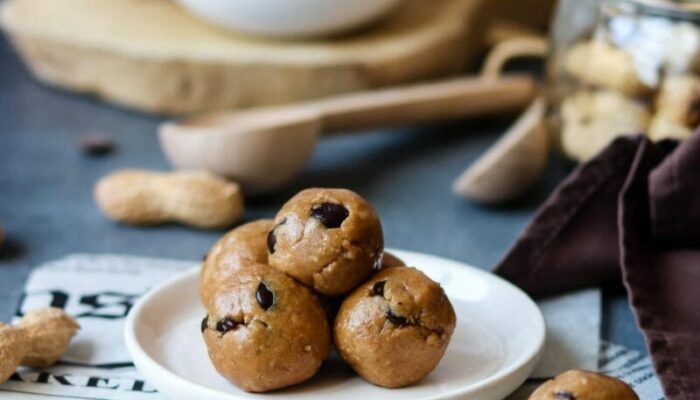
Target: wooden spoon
264,148
515,162
512,165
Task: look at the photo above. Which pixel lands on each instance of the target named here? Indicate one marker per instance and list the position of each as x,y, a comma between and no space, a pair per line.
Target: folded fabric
633,212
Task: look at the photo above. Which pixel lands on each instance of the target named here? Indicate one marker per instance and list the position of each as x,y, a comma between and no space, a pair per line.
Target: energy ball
394,329
328,239
245,245
264,331
583,385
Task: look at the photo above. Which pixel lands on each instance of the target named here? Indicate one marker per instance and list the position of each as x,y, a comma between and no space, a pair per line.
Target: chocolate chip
271,241
204,257
265,297
205,323
331,215
226,324
96,145
396,319
378,288
564,395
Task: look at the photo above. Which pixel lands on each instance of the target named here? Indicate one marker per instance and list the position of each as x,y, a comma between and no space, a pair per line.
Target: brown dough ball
265,331
583,385
394,329
245,245
328,239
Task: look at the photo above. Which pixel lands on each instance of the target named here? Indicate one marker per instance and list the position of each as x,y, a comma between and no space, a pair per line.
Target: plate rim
141,357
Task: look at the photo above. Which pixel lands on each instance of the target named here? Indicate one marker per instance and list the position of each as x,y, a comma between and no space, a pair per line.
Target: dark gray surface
47,209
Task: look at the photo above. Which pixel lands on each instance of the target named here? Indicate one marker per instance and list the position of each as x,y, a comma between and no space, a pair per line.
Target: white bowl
498,340
290,18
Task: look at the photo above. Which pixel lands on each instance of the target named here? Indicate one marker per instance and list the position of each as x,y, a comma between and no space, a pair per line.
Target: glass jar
623,67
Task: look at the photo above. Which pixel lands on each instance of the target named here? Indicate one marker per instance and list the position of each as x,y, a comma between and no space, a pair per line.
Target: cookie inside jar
623,67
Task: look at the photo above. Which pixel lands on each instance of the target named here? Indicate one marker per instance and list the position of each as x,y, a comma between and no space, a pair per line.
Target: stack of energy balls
269,288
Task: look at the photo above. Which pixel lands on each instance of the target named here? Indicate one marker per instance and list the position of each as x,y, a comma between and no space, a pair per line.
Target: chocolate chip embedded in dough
271,241
205,323
396,319
378,289
226,324
264,296
331,215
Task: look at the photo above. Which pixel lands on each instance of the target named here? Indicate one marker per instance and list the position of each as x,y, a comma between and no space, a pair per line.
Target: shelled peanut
37,340
194,198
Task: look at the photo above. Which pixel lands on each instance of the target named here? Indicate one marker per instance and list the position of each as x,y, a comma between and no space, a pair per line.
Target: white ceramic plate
498,340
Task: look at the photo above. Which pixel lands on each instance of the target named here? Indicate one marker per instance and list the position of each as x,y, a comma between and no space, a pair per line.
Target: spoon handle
448,99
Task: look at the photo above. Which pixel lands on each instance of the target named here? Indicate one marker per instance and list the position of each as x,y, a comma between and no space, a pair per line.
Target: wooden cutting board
153,56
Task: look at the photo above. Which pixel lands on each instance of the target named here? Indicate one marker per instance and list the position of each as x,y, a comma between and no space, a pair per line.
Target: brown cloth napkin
633,212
